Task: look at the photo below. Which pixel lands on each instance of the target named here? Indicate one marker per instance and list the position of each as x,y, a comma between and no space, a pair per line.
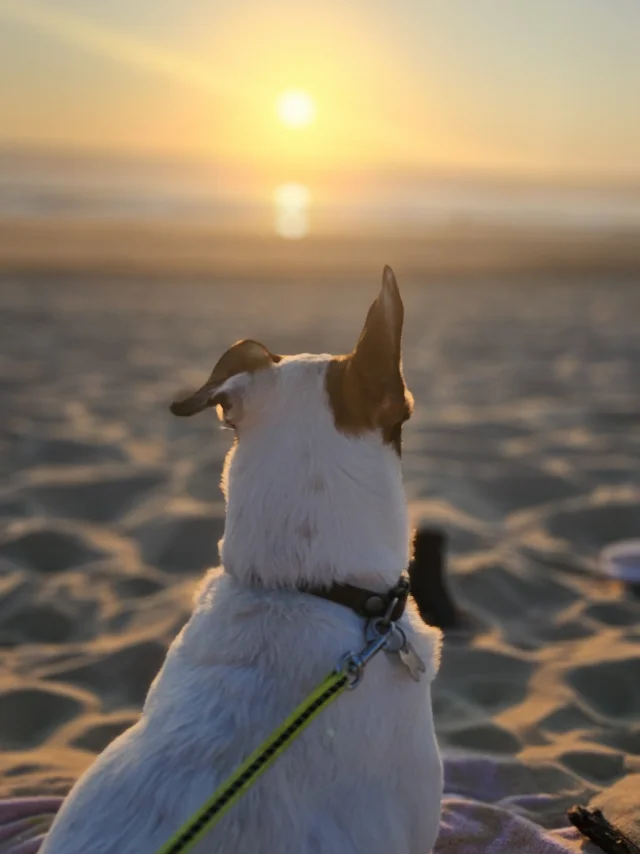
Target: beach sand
524,448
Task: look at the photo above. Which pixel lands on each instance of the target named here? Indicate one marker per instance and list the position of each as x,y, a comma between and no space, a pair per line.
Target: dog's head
365,391
317,437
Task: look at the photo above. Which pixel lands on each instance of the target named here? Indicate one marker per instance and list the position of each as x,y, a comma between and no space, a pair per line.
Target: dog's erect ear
376,362
244,357
366,389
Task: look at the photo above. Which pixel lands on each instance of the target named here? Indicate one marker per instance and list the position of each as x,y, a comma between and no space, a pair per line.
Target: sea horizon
37,184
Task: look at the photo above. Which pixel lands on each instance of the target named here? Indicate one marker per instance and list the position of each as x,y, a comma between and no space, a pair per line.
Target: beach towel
489,806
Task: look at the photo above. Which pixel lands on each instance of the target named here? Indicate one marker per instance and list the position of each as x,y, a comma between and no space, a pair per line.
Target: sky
535,88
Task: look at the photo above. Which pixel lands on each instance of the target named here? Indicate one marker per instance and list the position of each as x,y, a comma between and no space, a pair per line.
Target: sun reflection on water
292,203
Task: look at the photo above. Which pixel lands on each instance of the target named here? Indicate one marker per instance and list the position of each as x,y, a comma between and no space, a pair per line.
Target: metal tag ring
352,666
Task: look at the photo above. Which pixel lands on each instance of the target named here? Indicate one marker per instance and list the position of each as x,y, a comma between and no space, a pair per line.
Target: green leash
347,675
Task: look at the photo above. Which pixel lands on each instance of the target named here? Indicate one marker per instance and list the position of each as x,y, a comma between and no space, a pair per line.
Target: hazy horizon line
88,155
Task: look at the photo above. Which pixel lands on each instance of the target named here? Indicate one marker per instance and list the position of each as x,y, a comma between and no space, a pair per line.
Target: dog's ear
376,362
244,357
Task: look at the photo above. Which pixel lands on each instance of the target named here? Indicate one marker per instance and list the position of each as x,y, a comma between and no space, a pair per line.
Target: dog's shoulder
427,640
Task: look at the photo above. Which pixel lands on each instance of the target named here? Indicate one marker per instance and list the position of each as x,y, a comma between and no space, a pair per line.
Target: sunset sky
526,87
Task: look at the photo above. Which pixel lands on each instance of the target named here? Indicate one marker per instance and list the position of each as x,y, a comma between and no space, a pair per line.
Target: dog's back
365,776
314,497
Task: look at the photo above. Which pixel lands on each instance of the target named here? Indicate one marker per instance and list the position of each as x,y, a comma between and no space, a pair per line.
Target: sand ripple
525,448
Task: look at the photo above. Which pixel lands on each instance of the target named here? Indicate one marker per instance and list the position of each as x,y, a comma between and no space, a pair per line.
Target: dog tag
411,660
396,640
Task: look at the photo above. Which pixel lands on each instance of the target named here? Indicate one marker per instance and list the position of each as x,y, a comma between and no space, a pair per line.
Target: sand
524,448
454,247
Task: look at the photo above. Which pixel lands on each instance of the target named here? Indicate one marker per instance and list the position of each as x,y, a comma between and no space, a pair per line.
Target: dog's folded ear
244,357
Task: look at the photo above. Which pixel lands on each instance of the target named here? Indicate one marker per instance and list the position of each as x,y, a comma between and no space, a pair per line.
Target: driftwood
594,825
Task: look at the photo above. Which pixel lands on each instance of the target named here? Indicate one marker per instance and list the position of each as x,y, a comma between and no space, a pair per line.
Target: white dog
315,503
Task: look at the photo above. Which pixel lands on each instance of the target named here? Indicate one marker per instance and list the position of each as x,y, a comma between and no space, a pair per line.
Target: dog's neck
309,505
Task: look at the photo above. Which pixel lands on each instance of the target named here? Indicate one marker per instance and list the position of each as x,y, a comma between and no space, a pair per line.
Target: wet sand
454,247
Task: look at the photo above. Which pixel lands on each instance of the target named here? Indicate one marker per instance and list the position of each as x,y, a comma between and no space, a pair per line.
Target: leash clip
352,665
381,633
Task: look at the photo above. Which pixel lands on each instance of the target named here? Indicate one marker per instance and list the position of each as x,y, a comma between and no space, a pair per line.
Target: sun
296,109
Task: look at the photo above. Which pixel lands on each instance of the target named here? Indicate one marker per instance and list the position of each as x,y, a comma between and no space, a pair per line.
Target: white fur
304,503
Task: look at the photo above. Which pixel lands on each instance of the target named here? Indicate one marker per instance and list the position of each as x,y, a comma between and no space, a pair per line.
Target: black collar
366,603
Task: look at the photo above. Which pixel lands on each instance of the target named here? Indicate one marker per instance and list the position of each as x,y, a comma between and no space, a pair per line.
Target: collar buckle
369,604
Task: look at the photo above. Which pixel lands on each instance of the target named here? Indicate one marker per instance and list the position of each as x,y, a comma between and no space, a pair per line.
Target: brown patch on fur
245,356
306,531
366,389
357,410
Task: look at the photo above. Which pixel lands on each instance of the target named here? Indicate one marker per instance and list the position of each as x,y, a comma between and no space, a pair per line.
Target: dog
315,502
